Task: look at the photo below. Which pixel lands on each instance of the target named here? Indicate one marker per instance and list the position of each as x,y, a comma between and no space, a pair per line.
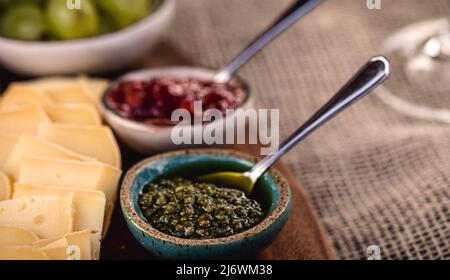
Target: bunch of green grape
34,20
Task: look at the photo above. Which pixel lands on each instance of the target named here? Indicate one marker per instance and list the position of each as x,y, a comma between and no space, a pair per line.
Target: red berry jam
153,101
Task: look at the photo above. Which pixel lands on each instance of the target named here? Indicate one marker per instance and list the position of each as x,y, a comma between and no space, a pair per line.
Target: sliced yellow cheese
90,207
74,174
16,236
7,143
30,145
5,187
79,114
97,142
22,253
59,248
63,90
89,204
59,251
18,95
47,216
57,242
96,87
22,120
51,83
76,93
47,83
70,173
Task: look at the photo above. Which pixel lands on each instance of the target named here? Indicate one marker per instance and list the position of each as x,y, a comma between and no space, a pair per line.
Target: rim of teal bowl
133,216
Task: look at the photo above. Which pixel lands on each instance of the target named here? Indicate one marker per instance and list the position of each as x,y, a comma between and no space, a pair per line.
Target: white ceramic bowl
151,139
91,55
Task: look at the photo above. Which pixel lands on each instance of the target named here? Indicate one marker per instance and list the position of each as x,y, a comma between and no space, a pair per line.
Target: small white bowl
91,55
151,139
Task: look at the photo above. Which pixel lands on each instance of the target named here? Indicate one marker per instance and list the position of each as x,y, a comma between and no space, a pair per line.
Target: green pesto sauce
192,210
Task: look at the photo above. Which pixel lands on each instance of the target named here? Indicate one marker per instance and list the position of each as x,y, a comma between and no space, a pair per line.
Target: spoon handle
363,82
299,9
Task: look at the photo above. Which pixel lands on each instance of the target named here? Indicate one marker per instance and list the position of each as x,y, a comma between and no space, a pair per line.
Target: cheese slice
63,90
22,253
5,187
93,141
75,93
60,251
18,95
90,207
51,83
16,236
30,145
80,114
47,216
74,174
7,143
89,204
69,173
96,87
22,120
57,248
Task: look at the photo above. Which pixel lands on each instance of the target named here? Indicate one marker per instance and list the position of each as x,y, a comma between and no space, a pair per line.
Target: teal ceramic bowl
271,191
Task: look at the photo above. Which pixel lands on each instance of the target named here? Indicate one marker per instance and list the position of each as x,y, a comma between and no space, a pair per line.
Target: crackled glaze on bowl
276,195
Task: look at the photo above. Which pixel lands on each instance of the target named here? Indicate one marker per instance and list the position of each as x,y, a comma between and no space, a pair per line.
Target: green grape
3,3
107,26
68,24
23,20
125,12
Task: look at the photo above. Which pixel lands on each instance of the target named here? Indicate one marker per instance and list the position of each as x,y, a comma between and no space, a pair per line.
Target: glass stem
448,17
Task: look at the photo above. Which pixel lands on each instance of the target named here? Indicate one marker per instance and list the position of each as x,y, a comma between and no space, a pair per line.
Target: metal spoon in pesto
372,74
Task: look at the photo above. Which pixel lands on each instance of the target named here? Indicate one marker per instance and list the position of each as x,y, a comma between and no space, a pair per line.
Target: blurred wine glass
420,57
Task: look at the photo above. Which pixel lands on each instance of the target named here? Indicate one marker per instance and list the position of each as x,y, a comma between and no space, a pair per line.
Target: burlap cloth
375,176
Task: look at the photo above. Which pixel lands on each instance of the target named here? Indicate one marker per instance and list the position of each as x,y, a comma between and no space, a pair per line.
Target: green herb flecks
192,210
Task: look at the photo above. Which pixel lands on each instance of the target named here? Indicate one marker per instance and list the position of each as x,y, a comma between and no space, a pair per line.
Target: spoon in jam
372,74
295,12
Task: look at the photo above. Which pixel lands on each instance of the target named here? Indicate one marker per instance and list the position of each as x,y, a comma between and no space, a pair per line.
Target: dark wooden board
303,237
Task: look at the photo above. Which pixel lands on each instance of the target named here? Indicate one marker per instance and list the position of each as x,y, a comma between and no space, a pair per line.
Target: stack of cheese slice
59,170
